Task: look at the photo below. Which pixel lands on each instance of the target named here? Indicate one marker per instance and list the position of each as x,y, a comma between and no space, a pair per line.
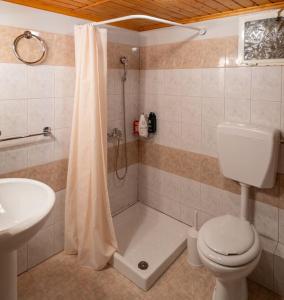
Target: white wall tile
210,201
22,259
265,220
59,208
64,81
169,207
152,82
191,82
230,204
264,272
148,102
40,247
169,108
279,270
281,226
190,139
61,144
14,160
265,113
13,83
41,82
187,214
41,153
213,82
237,111
40,114
63,112
123,193
58,242
209,140
114,84
203,218
190,192
168,133
13,117
238,83
266,83
132,82
191,110
212,111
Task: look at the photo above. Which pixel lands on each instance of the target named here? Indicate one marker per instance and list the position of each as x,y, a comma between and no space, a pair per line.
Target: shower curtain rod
201,31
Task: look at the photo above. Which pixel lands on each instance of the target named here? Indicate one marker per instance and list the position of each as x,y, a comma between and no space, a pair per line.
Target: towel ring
28,35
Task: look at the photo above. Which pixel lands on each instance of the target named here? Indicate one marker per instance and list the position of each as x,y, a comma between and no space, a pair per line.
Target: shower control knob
115,134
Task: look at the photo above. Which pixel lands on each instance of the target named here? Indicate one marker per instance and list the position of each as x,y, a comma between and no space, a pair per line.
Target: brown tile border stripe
54,174
116,50
204,169
209,53
132,156
60,47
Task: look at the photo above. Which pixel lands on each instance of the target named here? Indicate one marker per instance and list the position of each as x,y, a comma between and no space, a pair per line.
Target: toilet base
230,290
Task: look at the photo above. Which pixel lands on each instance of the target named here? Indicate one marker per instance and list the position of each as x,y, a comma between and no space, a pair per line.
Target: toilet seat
229,241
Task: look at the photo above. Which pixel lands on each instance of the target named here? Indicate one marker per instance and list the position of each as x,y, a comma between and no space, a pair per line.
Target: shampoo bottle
143,126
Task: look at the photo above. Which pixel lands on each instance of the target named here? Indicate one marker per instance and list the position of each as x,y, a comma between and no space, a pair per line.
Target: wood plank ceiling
183,11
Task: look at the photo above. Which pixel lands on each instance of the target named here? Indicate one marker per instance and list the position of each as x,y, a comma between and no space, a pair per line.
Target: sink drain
143,265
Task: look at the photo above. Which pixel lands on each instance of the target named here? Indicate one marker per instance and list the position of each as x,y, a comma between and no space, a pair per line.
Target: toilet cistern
248,154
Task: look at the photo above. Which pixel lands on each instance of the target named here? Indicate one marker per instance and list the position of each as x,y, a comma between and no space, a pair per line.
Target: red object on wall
136,127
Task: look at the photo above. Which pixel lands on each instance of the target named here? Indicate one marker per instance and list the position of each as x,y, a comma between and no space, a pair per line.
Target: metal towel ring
28,35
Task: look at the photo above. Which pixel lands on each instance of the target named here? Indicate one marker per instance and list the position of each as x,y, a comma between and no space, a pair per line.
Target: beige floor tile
61,278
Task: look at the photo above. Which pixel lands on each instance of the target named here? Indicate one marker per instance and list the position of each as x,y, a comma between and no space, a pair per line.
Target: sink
24,207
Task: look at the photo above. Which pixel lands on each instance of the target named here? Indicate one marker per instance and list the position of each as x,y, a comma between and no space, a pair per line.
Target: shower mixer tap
115,134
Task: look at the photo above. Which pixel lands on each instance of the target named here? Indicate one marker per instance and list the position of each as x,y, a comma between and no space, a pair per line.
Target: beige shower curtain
89,229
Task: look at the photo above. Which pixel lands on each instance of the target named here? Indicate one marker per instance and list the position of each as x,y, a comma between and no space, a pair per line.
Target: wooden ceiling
183,11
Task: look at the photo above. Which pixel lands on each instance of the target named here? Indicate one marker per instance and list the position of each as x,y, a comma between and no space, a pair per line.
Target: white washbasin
24,207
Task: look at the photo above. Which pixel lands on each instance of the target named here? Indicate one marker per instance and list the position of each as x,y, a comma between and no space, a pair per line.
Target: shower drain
143,265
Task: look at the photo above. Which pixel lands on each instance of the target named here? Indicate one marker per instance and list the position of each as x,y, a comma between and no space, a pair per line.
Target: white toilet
229,246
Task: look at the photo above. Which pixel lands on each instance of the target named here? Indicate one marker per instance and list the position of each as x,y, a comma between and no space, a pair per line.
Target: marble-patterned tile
14,81
41,246
266,113
237,110
279,269
213,82
64,81
271,91
265,220
22,259
238,83
264,272
281,225
41,82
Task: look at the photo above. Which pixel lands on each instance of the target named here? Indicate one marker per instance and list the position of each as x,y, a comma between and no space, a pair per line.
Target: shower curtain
89,231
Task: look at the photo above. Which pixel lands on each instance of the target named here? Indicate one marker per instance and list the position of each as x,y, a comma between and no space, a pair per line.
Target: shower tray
149,241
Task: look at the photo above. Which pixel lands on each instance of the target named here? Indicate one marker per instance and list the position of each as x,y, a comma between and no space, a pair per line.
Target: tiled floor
62,278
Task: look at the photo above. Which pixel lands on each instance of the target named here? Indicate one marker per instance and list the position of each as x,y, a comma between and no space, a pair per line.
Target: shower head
124,60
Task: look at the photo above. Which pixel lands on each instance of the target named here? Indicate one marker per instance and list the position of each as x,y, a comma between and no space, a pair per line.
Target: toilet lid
228,235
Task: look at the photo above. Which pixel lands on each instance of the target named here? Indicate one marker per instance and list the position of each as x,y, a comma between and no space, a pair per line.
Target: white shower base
145,234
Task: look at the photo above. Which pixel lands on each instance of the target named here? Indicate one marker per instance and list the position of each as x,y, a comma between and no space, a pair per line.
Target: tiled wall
123,193
193,86
32,97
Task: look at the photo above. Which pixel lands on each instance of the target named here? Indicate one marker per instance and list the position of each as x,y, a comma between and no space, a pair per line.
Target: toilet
229,246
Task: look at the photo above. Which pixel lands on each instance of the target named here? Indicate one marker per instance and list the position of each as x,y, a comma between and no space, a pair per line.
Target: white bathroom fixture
229,246
148,242
24,207
201,31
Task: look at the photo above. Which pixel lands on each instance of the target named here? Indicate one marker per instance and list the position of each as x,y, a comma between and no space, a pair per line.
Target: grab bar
45,132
